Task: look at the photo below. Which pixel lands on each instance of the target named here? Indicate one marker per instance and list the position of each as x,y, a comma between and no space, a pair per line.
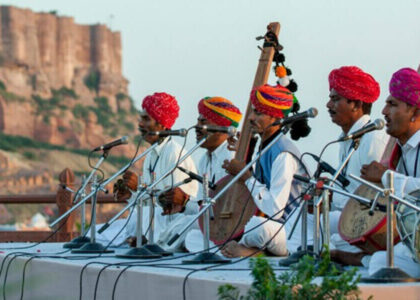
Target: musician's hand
373,172
124,186
131,180
173,201
233,142
234,166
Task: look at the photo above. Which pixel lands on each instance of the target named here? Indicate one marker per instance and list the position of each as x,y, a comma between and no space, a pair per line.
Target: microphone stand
206,257
168,172
93,246
151,246
118,173
390,273
139,251
82,238
209,204
324,199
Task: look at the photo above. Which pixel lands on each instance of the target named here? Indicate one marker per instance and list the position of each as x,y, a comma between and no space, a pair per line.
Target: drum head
355,220
360,229
408,223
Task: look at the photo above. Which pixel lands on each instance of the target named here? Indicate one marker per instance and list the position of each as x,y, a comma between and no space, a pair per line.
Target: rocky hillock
61,83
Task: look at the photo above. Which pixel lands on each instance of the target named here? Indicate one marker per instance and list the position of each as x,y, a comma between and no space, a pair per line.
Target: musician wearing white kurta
260,231
160,160
371,148
210,164
404,183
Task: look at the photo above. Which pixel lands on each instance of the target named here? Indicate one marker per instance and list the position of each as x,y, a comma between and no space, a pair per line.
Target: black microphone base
92,248
138,253
206,258
295,257
156,249
388,275
77,242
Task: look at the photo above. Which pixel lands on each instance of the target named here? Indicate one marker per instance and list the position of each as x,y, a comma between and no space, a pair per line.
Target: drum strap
415,165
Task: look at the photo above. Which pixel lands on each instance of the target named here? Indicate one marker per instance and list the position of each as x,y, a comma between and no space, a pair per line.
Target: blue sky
194,49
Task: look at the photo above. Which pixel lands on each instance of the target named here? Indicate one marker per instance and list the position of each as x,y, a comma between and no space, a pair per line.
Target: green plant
29,155
121,96
8,96
81,111
2,86
298,283
103,104
13,143
66,92
92,81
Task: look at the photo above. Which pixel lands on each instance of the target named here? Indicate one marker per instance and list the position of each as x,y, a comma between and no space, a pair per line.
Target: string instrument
357,226
234,209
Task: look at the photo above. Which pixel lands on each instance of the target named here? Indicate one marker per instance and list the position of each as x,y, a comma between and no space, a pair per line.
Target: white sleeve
272,201
402,184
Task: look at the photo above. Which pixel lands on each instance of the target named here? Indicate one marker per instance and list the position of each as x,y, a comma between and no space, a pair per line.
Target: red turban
354,84
276,101
162,107
405,86
220,111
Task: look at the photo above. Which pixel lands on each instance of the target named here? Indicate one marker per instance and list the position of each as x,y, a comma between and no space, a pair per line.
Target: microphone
310,113
327,167
378,124
213,128
164,133
121,141
196,177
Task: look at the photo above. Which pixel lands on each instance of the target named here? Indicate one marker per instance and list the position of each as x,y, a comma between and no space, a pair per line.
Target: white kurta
260,231
160,160
210,164
406,180
371,148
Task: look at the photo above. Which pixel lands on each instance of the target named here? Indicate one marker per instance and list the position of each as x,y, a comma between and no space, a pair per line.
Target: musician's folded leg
334,221
116,233
270,233
403,259
337,243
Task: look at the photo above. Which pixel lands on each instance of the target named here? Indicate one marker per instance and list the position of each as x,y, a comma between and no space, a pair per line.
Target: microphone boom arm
103,184
168,172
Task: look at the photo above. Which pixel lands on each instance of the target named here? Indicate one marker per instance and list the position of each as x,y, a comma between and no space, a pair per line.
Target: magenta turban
405,86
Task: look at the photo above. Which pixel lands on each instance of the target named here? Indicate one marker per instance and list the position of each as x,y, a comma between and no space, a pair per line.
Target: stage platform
59,278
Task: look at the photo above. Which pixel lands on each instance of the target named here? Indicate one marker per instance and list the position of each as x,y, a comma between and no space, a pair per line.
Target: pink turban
405,86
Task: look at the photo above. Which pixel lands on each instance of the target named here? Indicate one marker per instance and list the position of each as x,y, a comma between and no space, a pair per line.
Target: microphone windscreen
379,123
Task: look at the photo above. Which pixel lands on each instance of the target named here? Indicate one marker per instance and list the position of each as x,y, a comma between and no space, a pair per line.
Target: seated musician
352,93
220,112
272,186
402,116
160,111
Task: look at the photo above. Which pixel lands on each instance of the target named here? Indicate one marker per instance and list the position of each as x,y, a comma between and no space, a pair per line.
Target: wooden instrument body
232,226
236,207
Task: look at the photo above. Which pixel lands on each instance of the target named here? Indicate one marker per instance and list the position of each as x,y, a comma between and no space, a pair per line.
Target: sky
196,48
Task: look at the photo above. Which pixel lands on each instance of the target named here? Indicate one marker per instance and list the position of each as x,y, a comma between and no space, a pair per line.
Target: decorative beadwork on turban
276,101
405,86
162,107
353,84
220,111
